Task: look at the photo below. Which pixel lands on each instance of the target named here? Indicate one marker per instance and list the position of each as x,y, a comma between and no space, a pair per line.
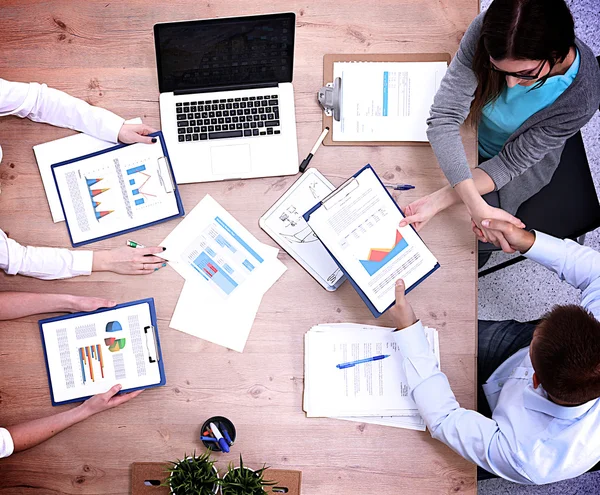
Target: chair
568,206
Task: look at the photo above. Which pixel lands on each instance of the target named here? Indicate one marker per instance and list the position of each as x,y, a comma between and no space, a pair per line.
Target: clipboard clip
330,98
336,196
150,333
164,170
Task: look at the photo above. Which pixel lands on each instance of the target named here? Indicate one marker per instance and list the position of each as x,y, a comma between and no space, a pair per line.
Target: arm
470,434
40,103
27,435
55,263
19,304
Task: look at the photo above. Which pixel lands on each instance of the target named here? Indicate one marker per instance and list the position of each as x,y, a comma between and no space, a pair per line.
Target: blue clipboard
180,209
361,293
159,359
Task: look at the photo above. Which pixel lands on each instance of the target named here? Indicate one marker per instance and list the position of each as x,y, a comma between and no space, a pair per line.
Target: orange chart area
379,257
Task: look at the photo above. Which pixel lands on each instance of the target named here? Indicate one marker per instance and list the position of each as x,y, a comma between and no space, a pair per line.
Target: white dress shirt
529,439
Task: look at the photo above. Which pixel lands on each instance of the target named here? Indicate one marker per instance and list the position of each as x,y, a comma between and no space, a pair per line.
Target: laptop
226,96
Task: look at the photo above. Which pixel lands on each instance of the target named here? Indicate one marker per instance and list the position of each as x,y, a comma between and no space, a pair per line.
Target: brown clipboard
328,61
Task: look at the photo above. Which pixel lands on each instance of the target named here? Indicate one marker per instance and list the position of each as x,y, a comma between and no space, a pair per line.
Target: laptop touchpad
232,161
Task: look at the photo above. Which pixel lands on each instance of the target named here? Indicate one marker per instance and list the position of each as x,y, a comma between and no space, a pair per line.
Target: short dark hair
519,29
565,354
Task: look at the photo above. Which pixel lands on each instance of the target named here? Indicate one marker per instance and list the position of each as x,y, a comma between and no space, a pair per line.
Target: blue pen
399,187
208,439
361,361
226,435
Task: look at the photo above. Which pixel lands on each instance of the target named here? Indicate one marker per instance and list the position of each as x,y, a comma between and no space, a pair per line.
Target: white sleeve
42,262
7,446
576,264
470,434
40,103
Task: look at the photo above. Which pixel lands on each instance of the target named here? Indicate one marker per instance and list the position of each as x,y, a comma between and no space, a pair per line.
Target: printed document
359,224
89,354
386,101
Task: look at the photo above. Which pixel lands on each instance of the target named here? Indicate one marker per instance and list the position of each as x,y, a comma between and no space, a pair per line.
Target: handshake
504,235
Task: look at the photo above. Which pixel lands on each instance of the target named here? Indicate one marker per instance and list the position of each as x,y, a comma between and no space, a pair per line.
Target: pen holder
224,425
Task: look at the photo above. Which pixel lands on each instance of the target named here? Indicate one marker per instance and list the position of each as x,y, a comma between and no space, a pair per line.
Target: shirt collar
537,400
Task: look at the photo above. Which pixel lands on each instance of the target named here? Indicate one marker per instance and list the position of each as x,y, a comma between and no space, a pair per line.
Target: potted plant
244,481
193,475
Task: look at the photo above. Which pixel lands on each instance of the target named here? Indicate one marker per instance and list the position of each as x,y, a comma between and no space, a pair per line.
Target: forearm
32,433
18,304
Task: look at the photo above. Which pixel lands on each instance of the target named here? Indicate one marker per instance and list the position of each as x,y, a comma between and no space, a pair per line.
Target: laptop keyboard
225,118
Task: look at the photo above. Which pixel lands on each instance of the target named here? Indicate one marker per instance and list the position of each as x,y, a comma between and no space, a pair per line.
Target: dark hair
523,30
565,354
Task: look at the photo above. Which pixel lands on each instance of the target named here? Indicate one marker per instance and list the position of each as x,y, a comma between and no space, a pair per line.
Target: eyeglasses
525,77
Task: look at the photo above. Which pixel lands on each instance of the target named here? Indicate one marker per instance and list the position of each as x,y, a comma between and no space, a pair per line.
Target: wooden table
103,52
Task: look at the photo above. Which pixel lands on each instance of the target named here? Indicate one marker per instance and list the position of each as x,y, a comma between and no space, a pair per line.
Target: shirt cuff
412,340
111,126
82,262
497,172
545,248
7,446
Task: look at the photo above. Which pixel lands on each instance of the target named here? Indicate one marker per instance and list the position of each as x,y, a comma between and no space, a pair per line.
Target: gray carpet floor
526,291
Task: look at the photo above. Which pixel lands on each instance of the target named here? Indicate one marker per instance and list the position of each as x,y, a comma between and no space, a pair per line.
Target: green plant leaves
193,475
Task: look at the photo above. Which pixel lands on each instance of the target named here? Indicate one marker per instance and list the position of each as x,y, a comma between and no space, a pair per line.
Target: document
88,353
374,392
285,224
115,191
386,101
227,272
359,224
60,150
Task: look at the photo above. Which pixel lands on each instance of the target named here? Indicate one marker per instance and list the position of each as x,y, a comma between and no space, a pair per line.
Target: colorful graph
379,257
113,326
142,178
95,191
114,345
88,356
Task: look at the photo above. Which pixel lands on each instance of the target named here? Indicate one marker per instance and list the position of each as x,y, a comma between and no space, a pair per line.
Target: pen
227,437
208,439
137,245
307,160
361,361
220,440
399,187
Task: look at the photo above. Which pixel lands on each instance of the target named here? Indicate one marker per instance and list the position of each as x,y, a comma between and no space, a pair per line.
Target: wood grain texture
103,52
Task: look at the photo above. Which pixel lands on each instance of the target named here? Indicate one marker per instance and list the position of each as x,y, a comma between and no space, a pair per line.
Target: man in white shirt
543,399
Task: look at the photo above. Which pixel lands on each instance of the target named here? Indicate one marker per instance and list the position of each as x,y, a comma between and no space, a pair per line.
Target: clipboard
347,187
165,178
286,226
150,341
328,81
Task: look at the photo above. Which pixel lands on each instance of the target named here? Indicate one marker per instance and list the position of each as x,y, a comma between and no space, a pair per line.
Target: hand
419,212
128,261
518,239
107,400
484,211
136,133
402,313
83,303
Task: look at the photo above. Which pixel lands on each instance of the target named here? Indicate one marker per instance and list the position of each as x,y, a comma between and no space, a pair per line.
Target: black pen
307,160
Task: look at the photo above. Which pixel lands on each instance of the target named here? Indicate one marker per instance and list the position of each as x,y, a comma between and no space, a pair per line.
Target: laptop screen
236,51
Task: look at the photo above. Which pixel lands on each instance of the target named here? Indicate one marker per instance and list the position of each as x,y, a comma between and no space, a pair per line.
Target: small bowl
221,423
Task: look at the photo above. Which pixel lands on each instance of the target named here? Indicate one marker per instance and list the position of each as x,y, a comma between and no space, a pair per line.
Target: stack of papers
374,392
226,270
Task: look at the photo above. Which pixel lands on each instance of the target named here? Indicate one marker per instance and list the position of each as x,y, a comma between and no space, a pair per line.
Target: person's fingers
101,303
505,245
507,217
148,129
139,138
149,259
500,225
150,250
121,399
400,292
111,392
410,219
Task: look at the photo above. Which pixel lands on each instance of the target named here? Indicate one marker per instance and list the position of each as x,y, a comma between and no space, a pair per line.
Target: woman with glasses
524,80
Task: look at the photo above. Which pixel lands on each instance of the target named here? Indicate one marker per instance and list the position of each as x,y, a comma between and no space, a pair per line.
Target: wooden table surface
103,52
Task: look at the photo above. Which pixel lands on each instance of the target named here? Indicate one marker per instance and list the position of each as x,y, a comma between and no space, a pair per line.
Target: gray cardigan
530,157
